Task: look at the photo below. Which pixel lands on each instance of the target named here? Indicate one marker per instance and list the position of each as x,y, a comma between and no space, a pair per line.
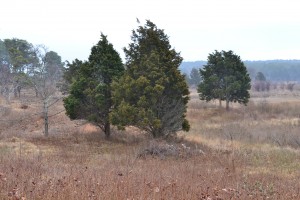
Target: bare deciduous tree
45,81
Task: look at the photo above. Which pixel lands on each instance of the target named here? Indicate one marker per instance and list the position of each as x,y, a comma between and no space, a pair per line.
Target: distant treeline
274,70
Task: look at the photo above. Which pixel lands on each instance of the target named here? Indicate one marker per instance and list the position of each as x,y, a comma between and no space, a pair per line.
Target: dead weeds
235,155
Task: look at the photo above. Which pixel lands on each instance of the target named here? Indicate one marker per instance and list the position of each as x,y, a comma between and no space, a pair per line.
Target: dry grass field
250,152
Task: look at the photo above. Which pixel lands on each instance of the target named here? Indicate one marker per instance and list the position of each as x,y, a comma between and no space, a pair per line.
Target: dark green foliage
70,74
53,64
90,92
224,77
22,54
18,57
4,68
152,94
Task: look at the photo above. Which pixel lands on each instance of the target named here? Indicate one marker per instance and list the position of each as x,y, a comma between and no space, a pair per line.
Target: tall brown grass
247,153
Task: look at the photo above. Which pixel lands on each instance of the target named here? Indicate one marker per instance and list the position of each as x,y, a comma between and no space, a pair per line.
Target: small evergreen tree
260,77
152,94
224,77
195,77
90,93
260,83
54,65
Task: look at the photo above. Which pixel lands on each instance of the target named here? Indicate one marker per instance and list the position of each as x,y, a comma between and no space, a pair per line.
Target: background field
250,152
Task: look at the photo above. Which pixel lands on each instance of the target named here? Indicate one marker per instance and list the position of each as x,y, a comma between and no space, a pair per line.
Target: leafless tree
45,83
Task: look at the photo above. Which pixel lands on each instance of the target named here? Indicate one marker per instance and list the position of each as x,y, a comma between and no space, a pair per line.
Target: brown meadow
250,152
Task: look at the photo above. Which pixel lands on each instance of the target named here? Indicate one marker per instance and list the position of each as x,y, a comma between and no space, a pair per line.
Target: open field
250,152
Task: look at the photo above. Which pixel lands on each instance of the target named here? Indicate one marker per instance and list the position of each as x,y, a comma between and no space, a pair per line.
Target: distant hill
186,67
274,70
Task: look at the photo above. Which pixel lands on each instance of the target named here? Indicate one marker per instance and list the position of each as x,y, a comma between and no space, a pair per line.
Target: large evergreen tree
90,93
21,57
4,68
152,94
22,54
225,78
53,64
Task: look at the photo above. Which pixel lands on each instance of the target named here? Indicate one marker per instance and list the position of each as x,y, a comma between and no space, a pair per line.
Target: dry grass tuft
164,149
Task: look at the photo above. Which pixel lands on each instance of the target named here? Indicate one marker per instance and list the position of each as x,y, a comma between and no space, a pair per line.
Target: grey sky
254,29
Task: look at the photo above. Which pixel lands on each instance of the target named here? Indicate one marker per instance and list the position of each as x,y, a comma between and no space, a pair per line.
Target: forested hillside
274,70
187,66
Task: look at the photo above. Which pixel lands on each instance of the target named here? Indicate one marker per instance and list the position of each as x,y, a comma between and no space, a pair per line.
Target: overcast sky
253,29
